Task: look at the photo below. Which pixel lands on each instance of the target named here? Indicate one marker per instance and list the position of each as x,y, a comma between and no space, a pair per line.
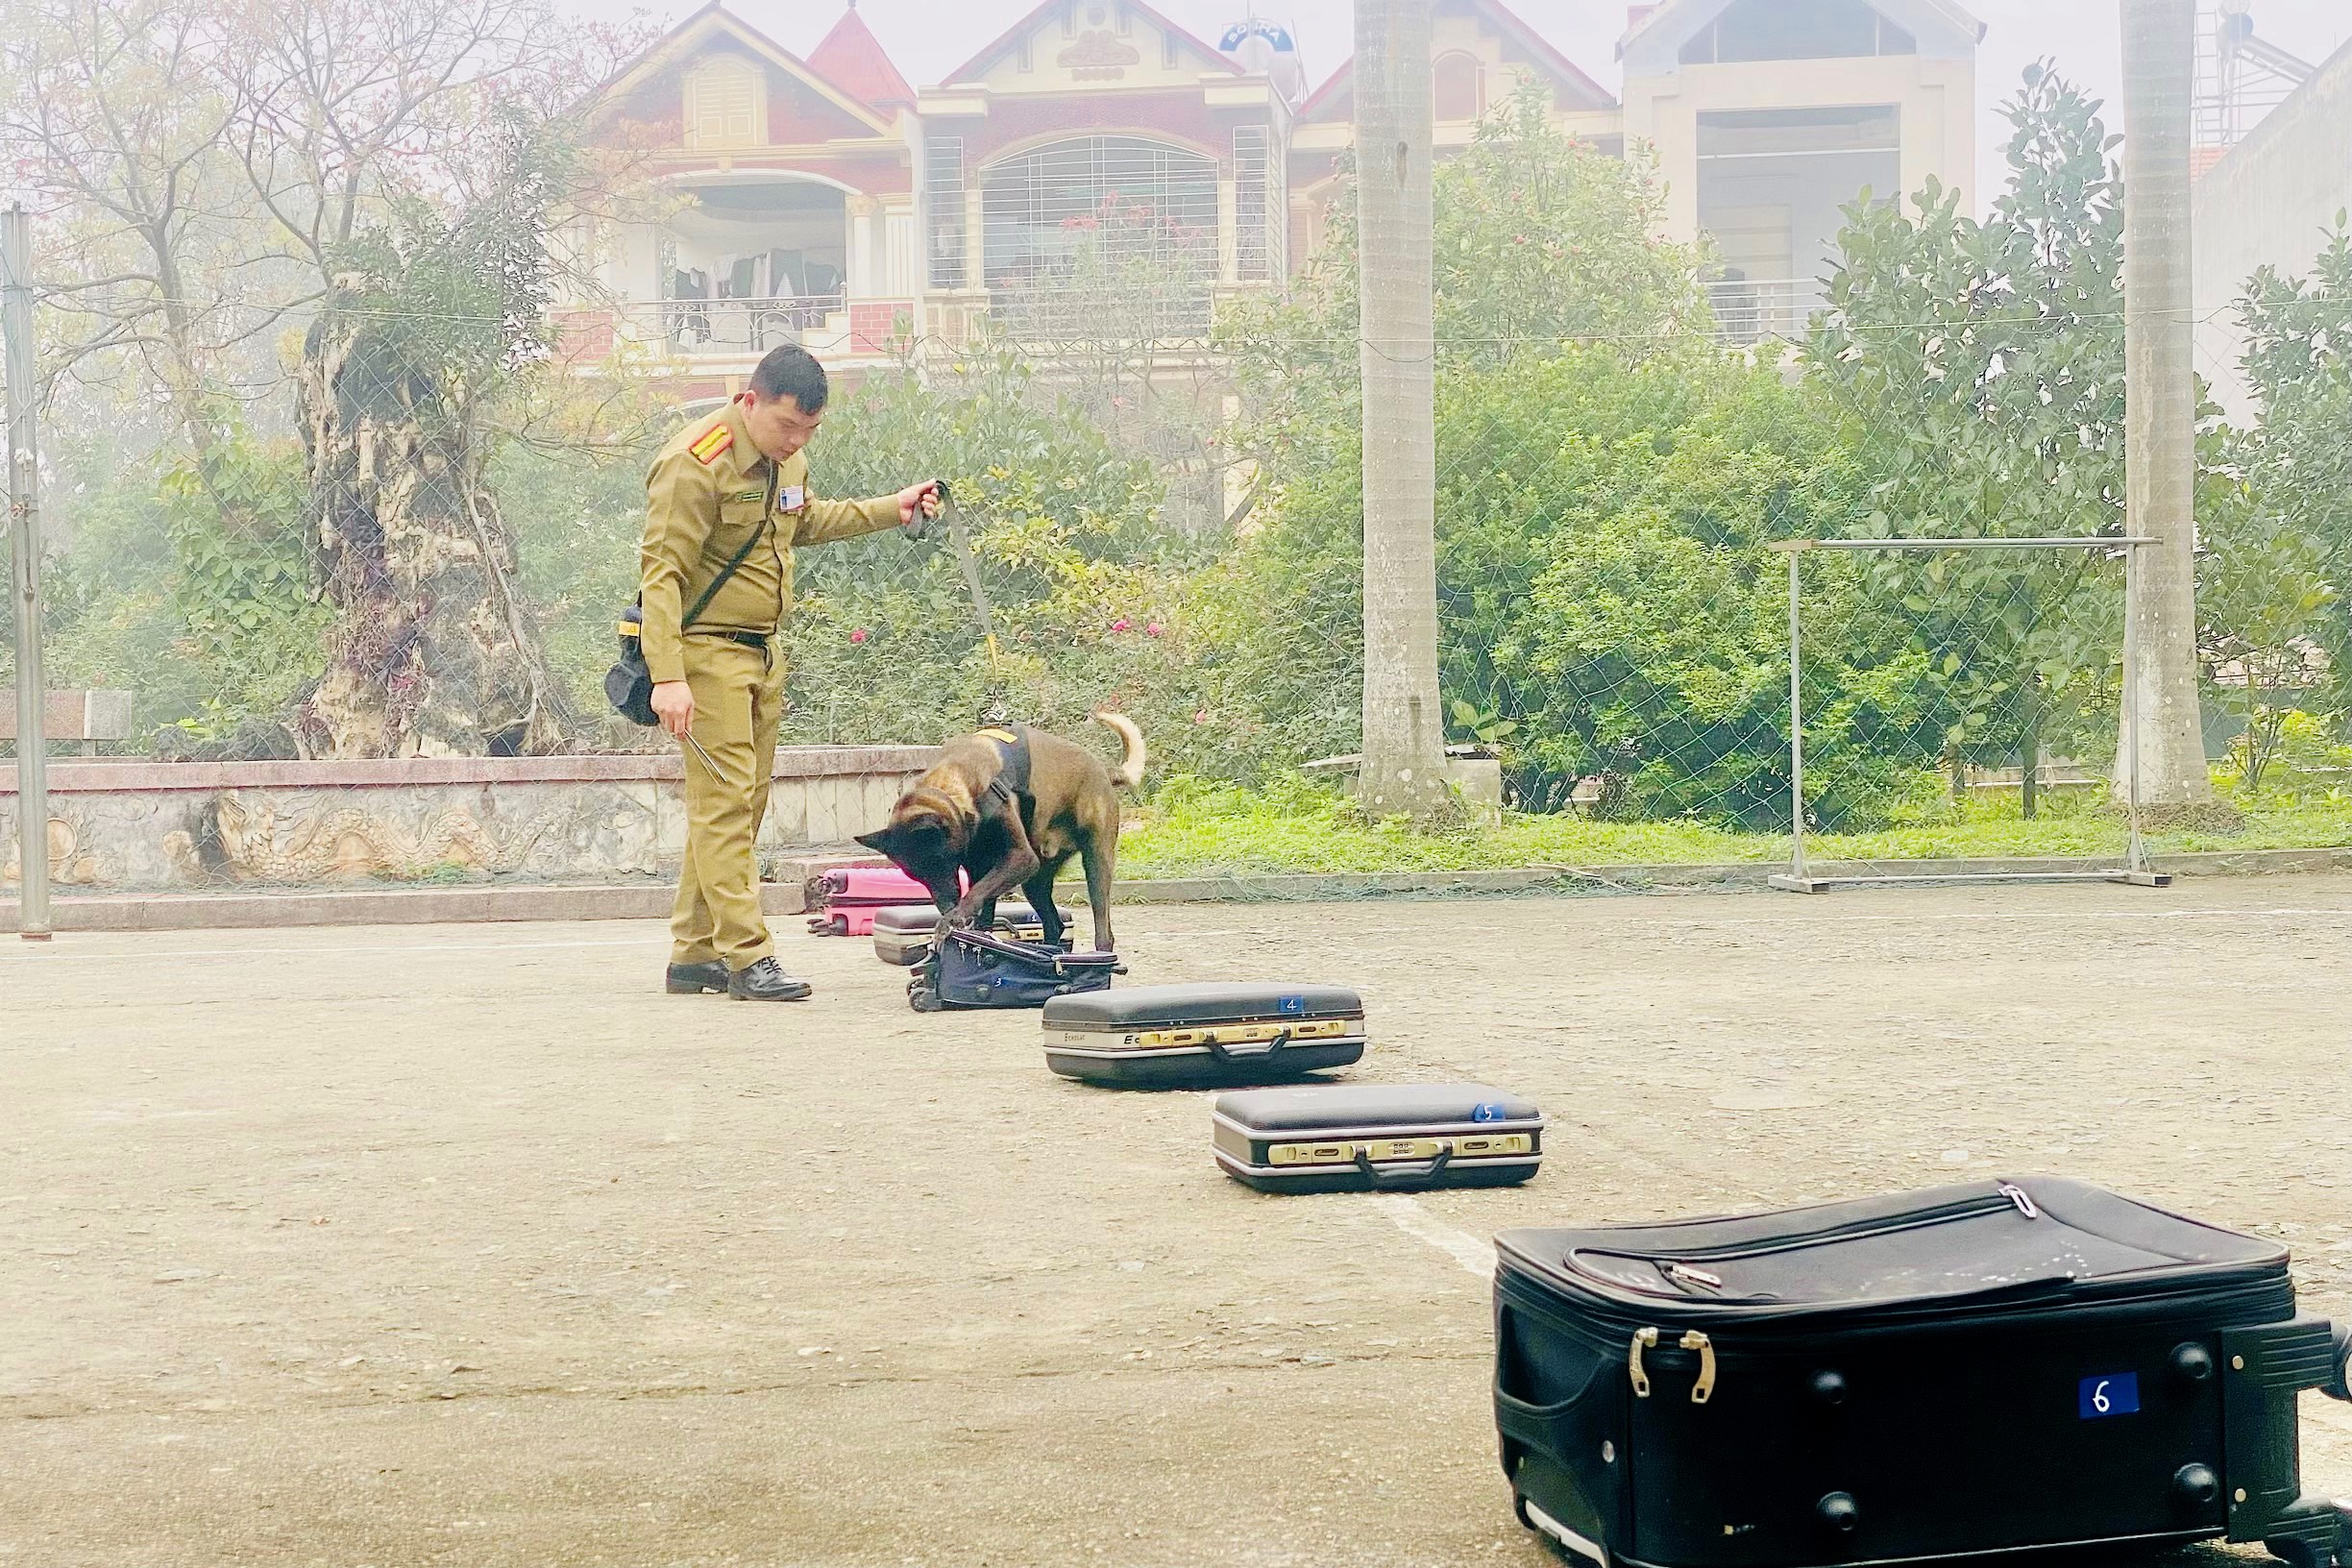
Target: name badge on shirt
791,498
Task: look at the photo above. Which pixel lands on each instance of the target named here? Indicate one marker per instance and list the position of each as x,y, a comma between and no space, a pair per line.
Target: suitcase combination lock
1692,1339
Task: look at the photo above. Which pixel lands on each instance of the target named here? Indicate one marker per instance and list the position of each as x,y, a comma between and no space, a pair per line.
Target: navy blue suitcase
983,970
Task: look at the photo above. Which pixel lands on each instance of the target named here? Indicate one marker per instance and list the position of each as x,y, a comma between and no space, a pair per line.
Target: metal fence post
2136,856
1796,881
24,539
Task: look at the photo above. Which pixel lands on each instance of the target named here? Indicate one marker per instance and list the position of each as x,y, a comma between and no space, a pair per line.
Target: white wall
2269,201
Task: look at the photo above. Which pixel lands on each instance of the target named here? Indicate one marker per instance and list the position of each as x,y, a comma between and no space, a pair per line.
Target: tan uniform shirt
711,490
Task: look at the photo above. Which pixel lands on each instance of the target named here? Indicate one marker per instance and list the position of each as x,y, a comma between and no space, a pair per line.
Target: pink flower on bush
1155,629
1201,717
1122,623
859,635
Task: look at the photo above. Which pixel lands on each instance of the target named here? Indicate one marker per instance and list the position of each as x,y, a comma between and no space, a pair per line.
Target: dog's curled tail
1130,772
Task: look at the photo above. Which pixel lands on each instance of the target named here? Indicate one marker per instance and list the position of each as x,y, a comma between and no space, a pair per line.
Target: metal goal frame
2136,870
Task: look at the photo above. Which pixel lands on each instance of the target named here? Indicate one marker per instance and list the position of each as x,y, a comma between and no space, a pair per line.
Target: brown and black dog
1009,808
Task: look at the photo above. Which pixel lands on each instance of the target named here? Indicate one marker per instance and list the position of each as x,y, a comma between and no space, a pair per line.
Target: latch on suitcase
1646,1338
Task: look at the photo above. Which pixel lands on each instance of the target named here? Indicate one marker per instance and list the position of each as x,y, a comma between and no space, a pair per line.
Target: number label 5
2117,1393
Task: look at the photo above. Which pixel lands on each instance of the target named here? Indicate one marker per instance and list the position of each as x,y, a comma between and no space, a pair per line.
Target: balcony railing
745,325
1750,311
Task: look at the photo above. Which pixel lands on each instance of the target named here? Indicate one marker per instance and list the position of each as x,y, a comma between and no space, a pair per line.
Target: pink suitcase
842,901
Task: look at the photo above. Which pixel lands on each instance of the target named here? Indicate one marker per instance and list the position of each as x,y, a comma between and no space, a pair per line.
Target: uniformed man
733,489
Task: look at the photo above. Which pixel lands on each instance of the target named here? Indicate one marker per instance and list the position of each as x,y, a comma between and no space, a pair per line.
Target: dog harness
1011,780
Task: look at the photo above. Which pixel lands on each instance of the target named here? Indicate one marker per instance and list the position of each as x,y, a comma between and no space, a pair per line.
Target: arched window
726,99
1460,88
1098,219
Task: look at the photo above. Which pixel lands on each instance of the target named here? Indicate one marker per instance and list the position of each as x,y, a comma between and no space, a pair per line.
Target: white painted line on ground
1476,1257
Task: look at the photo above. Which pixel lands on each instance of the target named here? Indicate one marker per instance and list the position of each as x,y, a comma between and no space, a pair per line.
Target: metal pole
1796,860
2135,859
24,556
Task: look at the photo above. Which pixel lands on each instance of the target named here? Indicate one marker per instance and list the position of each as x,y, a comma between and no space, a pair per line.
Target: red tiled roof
853,59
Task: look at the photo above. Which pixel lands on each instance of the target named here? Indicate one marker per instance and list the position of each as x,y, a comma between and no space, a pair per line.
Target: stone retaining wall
133,826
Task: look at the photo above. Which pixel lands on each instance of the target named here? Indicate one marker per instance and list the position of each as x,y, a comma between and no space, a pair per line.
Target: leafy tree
1984,360
1541,241
2275,633
372,175
1087,582
1608,592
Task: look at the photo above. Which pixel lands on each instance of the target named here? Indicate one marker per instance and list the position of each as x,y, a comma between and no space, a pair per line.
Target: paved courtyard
464,1245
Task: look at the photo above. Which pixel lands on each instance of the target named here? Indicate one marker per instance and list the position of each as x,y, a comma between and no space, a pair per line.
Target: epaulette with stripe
707,446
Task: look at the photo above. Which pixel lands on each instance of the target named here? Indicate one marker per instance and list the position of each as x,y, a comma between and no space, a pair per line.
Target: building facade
2269,199
1094,147
1769,116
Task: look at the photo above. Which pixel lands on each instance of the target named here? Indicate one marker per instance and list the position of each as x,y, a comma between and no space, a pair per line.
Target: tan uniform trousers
739,697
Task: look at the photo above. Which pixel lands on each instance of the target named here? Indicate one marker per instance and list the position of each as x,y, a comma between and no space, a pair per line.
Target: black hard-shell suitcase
1993,1367
1213,1033
1357,1137
902,933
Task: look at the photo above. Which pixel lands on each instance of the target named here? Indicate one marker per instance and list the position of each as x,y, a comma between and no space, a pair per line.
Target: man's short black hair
791,369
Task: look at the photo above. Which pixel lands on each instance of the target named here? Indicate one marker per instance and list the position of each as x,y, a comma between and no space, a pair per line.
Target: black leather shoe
694,979
767,982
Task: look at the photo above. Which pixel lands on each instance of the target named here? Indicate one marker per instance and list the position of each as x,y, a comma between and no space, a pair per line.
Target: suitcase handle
1537,1426
1265,1052
1403,1175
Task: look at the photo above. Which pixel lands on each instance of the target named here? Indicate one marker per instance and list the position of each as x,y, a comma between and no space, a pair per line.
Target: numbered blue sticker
1292,1004
1491,1111
2115,1394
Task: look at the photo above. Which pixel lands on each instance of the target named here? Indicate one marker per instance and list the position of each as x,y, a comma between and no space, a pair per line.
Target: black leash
983,611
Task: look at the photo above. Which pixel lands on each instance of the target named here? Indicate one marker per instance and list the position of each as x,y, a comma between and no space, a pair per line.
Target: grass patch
1204,830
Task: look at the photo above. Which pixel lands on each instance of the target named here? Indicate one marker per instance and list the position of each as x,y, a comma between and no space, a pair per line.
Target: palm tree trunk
2159,391
1403,731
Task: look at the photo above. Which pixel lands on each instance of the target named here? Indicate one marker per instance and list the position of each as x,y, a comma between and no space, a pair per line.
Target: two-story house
1768,116
781,206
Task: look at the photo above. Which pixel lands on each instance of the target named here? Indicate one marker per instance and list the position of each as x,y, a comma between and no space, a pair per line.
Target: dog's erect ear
878,841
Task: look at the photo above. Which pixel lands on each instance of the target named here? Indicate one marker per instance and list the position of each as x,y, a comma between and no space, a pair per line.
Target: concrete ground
464,1245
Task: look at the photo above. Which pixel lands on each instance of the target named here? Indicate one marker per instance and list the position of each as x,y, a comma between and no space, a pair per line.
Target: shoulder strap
767,520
